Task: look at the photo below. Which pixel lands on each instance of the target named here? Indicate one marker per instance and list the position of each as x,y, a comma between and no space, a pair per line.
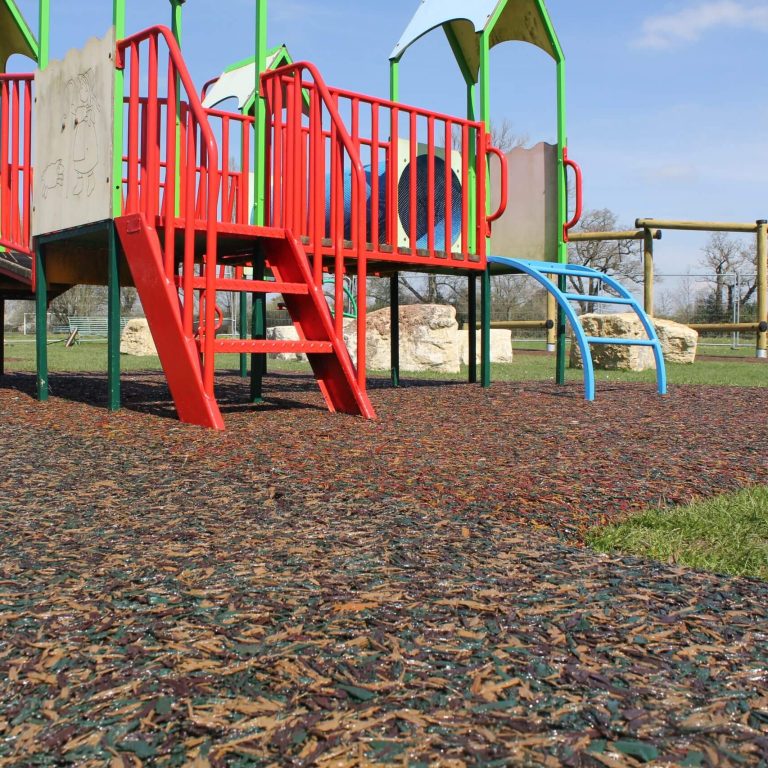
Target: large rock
285,333
501,346
136,339
678,342
428,339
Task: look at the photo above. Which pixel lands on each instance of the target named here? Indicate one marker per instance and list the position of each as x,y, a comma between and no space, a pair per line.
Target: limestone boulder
678,342
501,346
428,339
136,339
285,333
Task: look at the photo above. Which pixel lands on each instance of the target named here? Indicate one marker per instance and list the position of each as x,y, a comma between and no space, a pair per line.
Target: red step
274,346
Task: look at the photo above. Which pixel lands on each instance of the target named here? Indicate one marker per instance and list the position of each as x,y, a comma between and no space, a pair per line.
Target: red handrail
504,171
568,226
296,190
16,162
187,132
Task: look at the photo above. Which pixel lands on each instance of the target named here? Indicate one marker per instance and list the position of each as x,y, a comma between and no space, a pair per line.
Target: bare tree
621,259
727,257
81,300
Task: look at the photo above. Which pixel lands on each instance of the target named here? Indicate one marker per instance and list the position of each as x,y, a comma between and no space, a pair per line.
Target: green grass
727,534
92,356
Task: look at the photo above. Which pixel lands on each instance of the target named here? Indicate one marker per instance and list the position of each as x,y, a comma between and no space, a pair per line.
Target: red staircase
184,218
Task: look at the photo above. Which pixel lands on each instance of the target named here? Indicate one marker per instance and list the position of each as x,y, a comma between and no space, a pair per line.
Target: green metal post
260,112
118,19
113,319
394,282
258,329
177,16
472,325
485,285
243,327
44,34
562,207
41,323
394,317
761,348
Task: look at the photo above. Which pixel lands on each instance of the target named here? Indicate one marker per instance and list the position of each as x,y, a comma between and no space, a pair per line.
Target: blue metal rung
621,342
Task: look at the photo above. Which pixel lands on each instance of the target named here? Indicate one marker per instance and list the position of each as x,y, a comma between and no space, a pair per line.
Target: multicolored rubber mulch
312,589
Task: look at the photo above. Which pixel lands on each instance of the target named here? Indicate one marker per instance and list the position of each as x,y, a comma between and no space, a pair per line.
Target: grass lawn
727,534
92,356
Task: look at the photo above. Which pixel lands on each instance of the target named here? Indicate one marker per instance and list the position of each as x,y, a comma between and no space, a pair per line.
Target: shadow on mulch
314,589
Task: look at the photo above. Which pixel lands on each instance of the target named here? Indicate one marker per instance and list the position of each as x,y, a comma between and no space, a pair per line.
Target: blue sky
666,108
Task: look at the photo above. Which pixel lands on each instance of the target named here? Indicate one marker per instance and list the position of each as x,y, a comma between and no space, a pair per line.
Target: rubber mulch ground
313,589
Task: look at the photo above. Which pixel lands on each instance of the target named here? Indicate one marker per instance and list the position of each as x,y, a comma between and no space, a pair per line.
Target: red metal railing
579,205
172,170
348,189
16,162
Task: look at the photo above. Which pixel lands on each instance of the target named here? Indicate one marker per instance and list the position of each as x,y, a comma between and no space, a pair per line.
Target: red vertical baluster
358,196
412,203
171,117
227,195
189,225
448,187
392,176
133,132
278,172
153,134
298,156
243,216
317,184
374,214
431,160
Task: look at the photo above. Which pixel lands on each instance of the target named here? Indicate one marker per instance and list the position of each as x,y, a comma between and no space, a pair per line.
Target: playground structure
135,187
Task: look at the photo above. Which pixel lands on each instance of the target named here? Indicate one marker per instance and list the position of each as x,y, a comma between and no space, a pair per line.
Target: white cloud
689,24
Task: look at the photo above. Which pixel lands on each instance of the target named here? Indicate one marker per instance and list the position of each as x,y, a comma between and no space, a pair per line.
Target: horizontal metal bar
272,346
630,234
696,226
729,327
620,342
598,299
249,286
513,324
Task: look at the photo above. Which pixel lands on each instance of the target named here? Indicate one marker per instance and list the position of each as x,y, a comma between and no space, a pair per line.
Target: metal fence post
761,350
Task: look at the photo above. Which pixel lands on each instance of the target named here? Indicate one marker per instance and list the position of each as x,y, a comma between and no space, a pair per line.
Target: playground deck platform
332,591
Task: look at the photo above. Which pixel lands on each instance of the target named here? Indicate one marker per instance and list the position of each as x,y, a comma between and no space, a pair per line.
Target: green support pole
258,330
113,319
394,316
41,323
472,325
44,33
176,19
260,110
485,285
243,327
394,282
562,206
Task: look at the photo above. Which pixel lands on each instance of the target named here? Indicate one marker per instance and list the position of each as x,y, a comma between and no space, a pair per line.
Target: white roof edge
434,13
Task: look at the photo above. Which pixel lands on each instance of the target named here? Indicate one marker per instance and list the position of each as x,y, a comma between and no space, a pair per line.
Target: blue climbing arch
541,270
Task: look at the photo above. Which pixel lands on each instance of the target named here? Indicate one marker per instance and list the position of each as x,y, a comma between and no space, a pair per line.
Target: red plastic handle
579,193
504,186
